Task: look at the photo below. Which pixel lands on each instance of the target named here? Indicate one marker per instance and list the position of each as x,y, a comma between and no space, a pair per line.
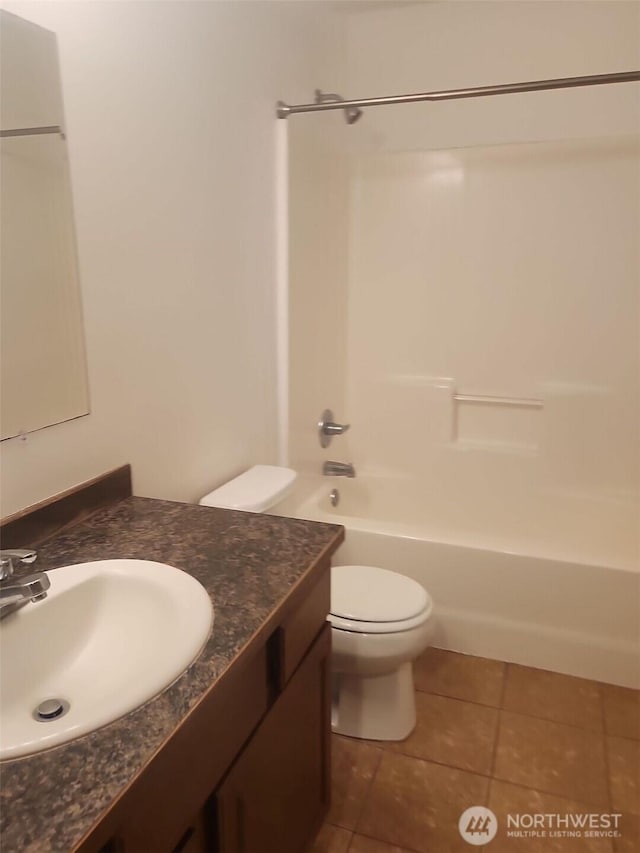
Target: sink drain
50,709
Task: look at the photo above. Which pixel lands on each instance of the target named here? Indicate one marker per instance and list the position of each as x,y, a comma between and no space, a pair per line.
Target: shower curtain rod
284,110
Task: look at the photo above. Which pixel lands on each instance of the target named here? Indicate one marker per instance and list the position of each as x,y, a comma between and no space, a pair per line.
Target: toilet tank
258,489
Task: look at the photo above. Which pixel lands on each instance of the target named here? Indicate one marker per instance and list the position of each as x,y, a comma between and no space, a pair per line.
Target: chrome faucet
15,592
327,428
338,469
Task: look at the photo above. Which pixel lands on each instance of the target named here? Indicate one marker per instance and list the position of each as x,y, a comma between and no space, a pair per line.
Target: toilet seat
368,599
356,626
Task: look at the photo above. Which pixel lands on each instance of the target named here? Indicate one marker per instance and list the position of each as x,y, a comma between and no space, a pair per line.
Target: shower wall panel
508,273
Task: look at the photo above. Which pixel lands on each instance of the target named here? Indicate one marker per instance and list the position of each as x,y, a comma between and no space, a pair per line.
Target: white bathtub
563,594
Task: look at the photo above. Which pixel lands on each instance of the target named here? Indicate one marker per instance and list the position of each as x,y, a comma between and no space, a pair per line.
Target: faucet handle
335,429
11,556
327,428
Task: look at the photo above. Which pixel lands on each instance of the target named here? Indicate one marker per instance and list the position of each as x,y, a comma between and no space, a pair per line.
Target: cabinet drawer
302,626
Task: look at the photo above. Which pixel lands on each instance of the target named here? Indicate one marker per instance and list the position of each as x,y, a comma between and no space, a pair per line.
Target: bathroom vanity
234,755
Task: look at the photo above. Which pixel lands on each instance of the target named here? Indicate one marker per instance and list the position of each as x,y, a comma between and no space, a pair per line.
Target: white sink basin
109,636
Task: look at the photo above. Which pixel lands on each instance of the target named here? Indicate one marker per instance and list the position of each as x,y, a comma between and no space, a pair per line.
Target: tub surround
260,571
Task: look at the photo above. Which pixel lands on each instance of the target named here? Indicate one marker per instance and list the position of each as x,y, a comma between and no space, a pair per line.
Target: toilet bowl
380,622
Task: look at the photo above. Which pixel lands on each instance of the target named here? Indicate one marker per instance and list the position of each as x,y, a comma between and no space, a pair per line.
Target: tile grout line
351,834
336,826
625,738
494,755
503,694
520,713
439,763
381,840
577,802
367,792
605,747
457,698
546,791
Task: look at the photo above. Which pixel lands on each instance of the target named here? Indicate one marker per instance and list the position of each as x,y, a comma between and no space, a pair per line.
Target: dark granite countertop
248,563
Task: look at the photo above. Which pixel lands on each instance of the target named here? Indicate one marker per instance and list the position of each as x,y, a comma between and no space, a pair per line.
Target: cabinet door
195,837
277,793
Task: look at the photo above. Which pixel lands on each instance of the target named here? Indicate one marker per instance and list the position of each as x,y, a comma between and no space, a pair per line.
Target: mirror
43,375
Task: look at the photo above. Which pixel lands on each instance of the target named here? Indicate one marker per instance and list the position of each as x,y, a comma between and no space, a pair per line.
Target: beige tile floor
515,739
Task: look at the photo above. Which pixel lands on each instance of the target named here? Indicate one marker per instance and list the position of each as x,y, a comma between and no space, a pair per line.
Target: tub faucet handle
335,429
327,428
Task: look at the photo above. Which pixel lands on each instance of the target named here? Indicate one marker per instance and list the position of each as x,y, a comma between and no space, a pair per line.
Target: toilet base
379,707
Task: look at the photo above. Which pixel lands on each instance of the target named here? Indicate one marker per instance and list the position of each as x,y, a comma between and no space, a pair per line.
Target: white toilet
380,622
258,489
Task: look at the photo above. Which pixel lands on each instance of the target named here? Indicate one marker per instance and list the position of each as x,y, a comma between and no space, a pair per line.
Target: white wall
170,117
451,45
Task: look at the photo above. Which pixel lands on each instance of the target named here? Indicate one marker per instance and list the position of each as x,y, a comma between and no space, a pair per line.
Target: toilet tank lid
372,594
254,491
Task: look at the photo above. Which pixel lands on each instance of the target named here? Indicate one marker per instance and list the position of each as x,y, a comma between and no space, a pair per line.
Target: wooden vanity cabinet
276,794
249,769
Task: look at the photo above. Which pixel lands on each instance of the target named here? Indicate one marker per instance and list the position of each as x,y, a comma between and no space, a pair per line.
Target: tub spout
338,469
